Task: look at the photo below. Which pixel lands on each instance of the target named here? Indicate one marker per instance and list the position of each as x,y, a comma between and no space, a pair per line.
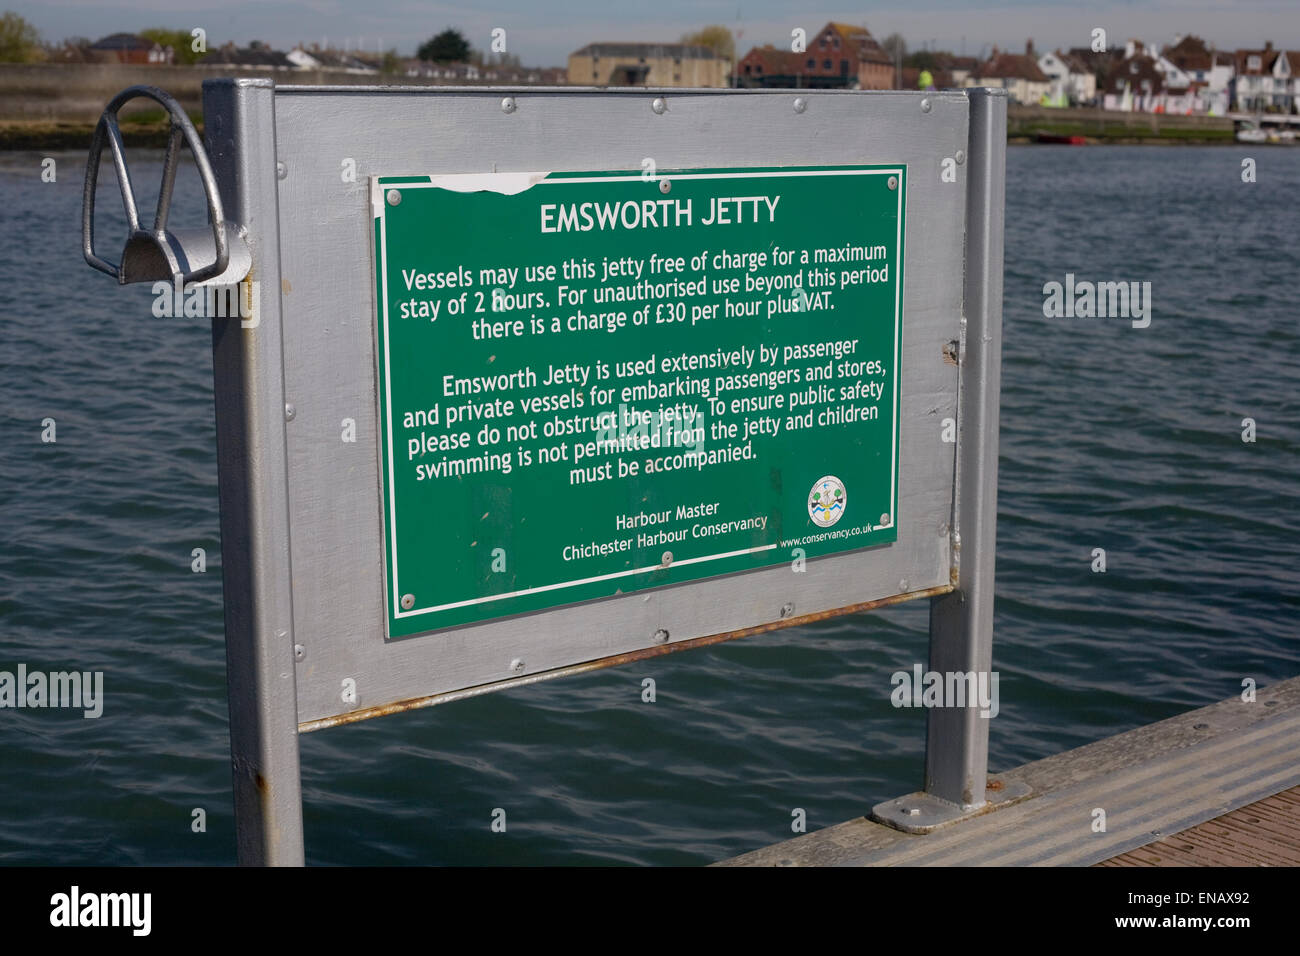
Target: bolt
665,185
661,636
508,105
902,585
1200,726
517,665
960,156
884,520
408,601
925,105
667,558
281,170
289,411
893,182
299,652
394,197
787,609
800,104
659,104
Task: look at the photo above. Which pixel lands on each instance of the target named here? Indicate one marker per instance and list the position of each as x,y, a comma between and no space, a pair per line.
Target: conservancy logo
826,501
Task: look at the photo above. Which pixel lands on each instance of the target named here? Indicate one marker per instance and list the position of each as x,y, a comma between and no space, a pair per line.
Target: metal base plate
922,812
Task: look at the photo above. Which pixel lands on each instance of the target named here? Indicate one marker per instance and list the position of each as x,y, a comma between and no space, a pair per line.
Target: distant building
325,59
255,55
129,48
957,67
1263,82
1208,73
767,66
1098,64
839,56
647,64
1073,82
1136,83
1017,73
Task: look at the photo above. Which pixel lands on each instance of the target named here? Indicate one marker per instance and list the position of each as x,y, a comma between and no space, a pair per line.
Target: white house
1205,73
1264,80
1072,81
1018,74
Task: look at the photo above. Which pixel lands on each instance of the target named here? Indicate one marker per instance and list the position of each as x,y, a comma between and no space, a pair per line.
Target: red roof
1012,66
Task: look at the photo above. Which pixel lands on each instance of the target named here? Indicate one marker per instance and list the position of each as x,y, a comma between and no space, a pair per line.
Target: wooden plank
1264,833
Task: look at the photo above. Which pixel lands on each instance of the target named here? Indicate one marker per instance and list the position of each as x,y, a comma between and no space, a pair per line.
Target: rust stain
640,654
262,786
996,785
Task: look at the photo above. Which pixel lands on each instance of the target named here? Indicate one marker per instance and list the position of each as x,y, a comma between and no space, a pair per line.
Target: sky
545,32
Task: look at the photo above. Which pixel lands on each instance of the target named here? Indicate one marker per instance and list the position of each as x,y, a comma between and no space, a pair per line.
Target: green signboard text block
596,383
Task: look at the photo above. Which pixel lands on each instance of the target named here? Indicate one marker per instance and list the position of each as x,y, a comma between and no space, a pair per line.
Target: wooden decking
1264,833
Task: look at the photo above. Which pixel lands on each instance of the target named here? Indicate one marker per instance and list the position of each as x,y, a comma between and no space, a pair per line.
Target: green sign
596,383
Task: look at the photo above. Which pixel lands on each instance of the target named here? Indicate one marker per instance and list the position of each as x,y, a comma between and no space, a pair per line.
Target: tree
895,46
716,38
449,46
19,40
181,42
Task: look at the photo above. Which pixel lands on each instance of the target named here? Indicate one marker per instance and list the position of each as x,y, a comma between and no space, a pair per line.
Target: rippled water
1112,437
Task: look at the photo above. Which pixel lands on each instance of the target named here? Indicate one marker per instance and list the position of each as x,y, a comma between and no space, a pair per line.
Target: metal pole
961,622
248,372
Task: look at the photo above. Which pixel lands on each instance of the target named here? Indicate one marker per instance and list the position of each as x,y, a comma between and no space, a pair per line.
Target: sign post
534,383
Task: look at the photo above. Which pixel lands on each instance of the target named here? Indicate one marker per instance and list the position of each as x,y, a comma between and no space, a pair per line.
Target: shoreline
29,135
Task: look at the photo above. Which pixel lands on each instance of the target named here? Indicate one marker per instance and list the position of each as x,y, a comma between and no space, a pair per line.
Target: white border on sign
478,181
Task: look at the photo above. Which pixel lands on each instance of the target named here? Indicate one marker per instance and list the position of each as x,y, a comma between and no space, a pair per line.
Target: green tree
716,38
449,46
181,42
19,40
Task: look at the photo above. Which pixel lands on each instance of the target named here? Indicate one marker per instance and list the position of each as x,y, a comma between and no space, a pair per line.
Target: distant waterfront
1024,123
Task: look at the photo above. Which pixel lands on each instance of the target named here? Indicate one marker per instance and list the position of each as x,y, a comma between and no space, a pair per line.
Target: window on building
836,41
759,68
844,67
826,65
812,64
1252,63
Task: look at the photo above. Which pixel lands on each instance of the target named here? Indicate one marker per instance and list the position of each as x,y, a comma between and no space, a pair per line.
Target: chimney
995,52
1029,47
1268,45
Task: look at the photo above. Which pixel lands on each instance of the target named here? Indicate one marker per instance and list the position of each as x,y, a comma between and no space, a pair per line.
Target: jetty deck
1264,833
1225,779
